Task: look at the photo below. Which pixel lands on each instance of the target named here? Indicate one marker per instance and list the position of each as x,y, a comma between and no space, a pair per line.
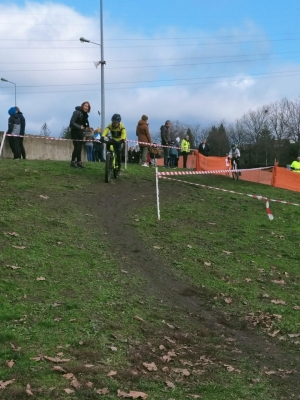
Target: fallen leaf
19,247
137,395
278,302
89,384
13,266
57,319
293,335
58,368
270,372
227,252
123,271
266,295
161,347
169,340
81,342
44,197
113,348
56,304
72,319
89,365
69,391
248,280
3,384
112,373
76,384
60,354
170,384
207,264
189,246
281,282
274,333
139,318
14,348
10,363
195,396
11,234
28,390
157,247
181,371
40,278
296,308
228,300
36,358
150,366
102,391
69,376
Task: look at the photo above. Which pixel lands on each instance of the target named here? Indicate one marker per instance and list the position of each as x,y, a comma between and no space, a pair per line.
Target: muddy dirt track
116,201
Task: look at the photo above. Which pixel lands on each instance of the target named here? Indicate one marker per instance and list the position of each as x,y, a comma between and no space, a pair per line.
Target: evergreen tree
45,131
65,133
218,141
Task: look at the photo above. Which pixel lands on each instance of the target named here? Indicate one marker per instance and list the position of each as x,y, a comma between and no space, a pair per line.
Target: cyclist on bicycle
117,132
234,154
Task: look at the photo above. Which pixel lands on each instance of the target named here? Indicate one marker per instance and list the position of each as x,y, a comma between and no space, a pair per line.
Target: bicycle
111,163
234,170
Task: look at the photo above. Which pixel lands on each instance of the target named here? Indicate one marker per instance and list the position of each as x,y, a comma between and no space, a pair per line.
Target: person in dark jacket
79,123
143,134
22,132
204,148
14,127
165,131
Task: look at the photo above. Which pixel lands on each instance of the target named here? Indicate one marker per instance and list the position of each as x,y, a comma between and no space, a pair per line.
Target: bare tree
293,121
253,124
278,114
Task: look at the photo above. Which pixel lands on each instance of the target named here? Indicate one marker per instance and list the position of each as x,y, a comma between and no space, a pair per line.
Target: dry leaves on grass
228,300
282,302
132,394
112,373
227,252
248,280
58,368
36,358
44,197
10,363
89,384
13,266
113,348
296,308
207,264
275,333
69,391
40,278
139,318
157,247
189,246
170,384
28,390
14,348
281,282
293,335
102,391
69,376
150,366
182,371
76,384
11,234
3,384
19,247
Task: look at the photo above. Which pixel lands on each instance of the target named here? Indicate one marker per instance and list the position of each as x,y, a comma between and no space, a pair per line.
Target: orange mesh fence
263,176
285,179
211,163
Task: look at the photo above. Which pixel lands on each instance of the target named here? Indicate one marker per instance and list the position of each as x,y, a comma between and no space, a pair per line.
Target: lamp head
83,40
4,80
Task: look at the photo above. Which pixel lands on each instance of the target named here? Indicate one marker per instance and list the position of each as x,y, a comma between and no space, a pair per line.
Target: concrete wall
38,148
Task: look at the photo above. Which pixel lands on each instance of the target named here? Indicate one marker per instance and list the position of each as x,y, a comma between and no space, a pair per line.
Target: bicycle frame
111,163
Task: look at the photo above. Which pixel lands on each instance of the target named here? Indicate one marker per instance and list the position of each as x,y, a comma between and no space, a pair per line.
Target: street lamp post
5,80
102,62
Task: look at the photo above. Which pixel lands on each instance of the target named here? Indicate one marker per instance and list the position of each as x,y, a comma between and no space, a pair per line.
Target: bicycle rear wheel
108,167
235,174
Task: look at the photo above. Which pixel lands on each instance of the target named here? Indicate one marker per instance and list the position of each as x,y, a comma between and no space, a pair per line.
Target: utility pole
102,70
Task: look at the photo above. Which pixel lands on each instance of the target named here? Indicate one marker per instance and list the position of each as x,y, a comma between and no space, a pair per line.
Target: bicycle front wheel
235,174
108,167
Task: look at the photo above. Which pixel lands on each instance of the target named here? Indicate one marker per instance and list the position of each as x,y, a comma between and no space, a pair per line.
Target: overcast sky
193,60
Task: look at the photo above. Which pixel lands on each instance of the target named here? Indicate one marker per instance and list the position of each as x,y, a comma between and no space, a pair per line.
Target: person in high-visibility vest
295,166
185,149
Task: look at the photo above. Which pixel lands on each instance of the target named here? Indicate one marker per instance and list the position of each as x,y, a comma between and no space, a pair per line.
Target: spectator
137,154
165,131
143,134
79,123
154,154
22,132
98,146
177,144
204,148
131,154
14,128
173,152
295,166
185,149
89,144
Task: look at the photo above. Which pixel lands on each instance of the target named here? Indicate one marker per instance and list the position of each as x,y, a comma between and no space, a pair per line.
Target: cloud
191,80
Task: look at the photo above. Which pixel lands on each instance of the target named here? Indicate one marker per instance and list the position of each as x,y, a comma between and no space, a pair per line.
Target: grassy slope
98,302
